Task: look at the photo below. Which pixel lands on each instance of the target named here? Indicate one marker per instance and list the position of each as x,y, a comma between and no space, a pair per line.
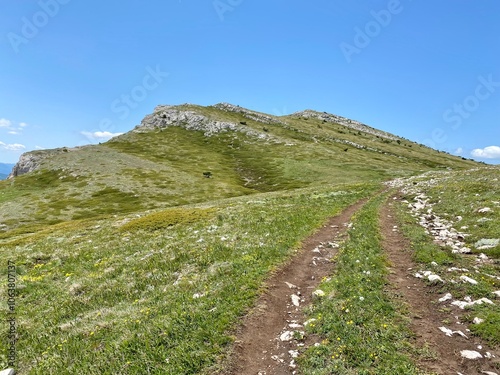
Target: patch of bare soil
264,345
424,307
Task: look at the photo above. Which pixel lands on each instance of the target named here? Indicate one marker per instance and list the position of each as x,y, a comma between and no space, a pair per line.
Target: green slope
112,242
154,168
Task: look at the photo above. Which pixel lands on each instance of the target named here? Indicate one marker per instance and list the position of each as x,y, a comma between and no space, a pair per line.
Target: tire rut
258,348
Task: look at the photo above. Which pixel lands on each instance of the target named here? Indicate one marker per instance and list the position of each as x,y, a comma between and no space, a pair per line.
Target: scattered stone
467,279
484,220
470,354
446,331
446,297
464,304
450,333
489,373
291,286
487,243
497,293
461,250
318,293
8,371
306,323
452,269
434,279
286,336
295,300
477,320
293,353
277,359
484,210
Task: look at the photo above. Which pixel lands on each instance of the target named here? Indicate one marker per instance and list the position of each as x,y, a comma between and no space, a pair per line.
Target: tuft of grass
489,328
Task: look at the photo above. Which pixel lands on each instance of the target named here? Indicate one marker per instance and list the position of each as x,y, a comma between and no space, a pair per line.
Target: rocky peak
167,115
257,116
188,117
356,125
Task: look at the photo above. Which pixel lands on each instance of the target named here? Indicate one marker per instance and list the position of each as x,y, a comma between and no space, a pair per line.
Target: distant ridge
5,169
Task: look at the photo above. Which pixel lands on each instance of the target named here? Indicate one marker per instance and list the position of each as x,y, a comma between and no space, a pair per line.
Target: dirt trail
424,307
259,349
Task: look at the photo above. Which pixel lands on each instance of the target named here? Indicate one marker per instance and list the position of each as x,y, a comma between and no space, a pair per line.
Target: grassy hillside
156,168
134,295
145,251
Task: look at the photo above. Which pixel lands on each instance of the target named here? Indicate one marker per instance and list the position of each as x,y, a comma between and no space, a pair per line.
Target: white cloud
459,151
100,136
490,152
11,127
12,147
39,148
4,123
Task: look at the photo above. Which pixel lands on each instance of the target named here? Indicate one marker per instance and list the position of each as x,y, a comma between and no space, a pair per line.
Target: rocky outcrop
256,116
189,118
32,160
28,162
356,125
166,115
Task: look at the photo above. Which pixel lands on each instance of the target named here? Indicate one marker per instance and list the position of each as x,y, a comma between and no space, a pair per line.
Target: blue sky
74,72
